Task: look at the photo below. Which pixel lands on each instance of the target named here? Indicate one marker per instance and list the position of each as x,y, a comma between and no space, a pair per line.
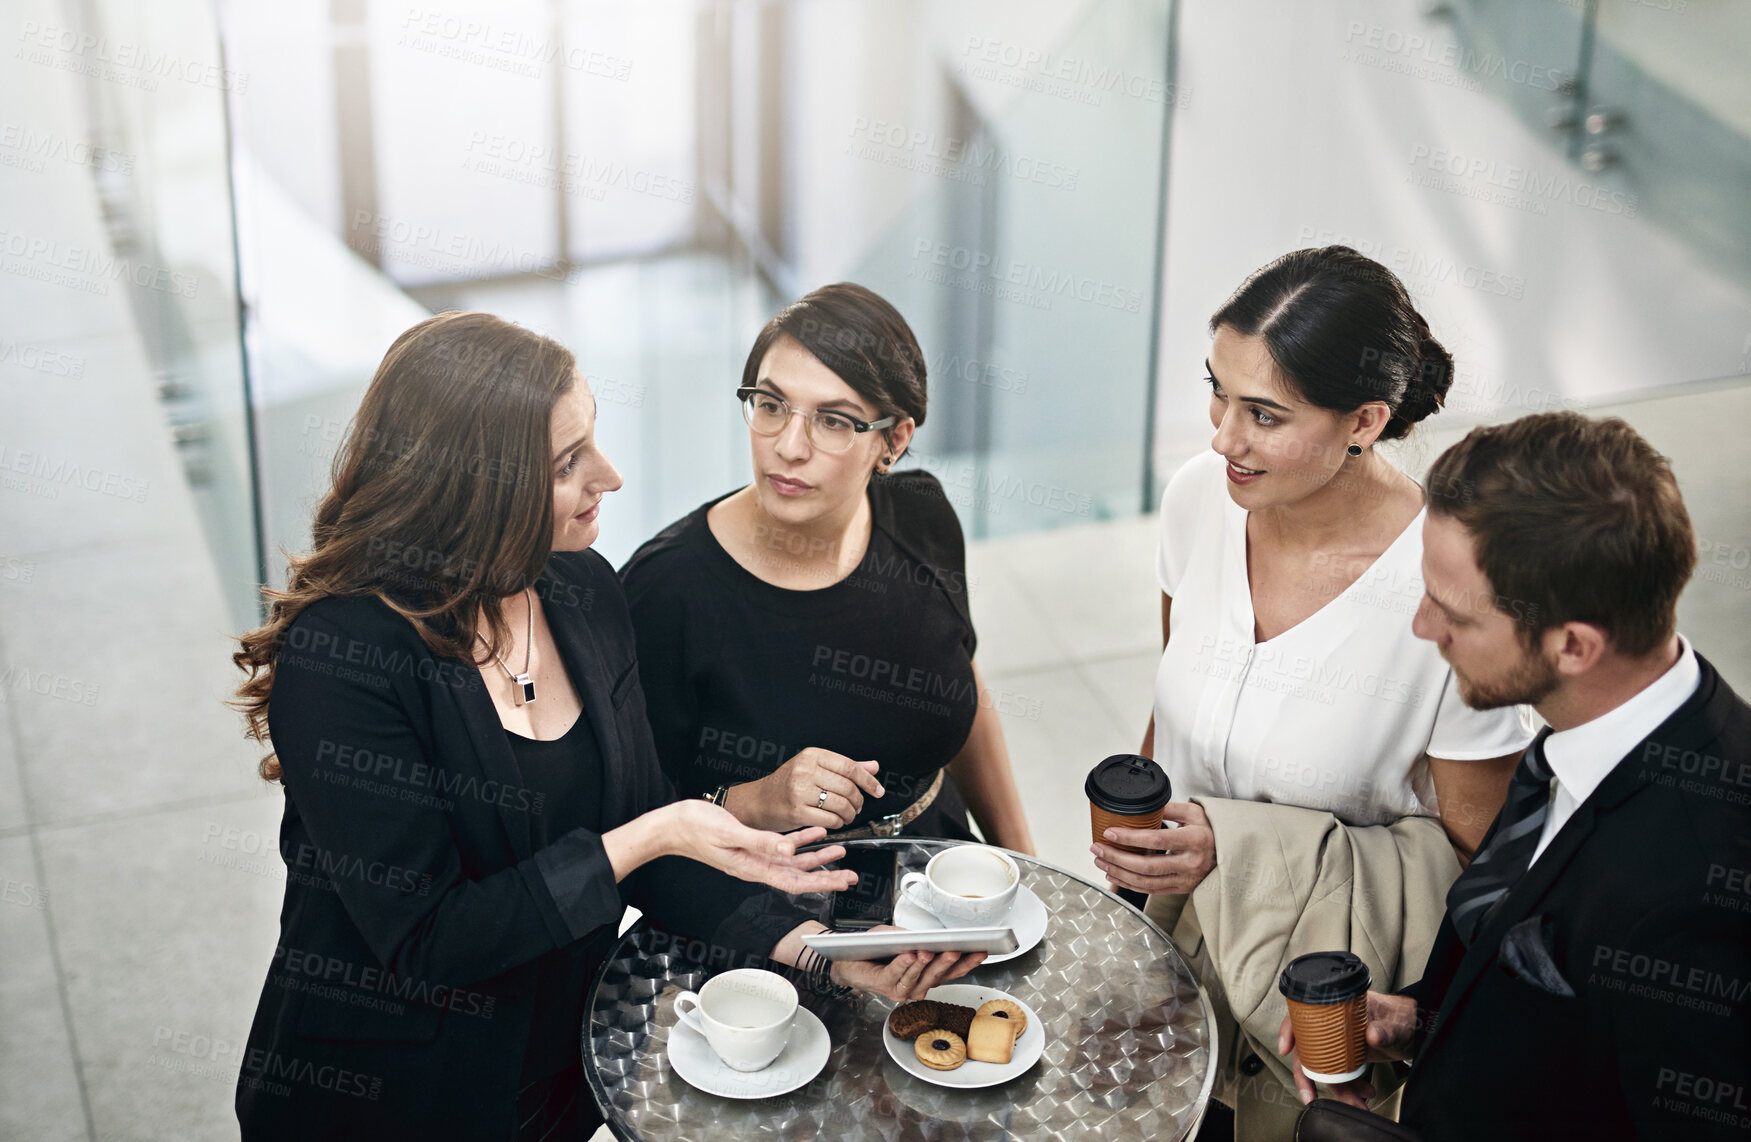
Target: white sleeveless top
1333,713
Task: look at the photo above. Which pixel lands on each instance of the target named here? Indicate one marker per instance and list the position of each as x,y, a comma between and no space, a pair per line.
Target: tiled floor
1069,643
139,887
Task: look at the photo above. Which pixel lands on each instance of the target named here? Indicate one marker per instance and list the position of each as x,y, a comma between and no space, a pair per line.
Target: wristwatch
717,796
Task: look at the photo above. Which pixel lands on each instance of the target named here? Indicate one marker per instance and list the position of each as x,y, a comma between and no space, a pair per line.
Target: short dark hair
1577,520
1343,331
857,334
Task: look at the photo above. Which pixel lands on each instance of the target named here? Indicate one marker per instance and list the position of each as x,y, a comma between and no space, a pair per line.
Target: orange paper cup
1327,993
1104,820
1126,791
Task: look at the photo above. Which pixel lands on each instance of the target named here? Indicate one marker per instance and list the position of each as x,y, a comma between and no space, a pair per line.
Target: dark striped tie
1509,853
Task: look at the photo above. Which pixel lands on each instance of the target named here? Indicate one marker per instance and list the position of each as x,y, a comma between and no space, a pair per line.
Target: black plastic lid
1128,785
1324,977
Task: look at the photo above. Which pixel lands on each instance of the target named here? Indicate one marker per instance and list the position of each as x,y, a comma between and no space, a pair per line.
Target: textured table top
1128,1050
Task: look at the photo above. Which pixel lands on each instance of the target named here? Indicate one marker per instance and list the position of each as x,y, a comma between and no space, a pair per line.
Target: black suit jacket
1641,907
399,1000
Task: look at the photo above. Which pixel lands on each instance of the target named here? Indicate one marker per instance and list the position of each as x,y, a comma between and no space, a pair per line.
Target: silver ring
821,800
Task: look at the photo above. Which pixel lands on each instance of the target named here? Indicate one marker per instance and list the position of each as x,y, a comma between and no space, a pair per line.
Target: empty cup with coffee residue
1328,1009
1126,791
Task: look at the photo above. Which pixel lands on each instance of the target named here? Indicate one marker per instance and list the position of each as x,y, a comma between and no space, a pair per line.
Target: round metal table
1129,1045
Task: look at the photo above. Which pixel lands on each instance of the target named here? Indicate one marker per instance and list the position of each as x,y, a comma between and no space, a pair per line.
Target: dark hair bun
1426,392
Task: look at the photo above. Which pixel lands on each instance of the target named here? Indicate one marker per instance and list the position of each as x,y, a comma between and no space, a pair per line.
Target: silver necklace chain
523,687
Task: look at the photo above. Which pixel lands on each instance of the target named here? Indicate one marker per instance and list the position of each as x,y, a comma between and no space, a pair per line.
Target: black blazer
1641,909
400,995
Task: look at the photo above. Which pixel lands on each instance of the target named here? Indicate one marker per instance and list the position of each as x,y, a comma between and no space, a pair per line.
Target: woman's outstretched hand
710,835
790,796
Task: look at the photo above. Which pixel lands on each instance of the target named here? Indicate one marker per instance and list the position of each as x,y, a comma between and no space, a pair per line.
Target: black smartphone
870,901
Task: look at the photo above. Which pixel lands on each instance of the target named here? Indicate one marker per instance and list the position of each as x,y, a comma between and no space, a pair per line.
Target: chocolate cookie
954,1017
910,1019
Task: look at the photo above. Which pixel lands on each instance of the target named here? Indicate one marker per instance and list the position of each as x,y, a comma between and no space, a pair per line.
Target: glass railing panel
154,86
1026,258
1668,111
1642,120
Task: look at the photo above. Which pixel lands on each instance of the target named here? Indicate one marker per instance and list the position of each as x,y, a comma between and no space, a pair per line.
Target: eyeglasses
768,413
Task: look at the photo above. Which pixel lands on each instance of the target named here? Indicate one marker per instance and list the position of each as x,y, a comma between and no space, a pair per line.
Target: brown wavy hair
442,496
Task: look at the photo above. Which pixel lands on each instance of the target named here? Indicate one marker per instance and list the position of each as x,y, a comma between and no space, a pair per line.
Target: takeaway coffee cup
1328,1008
1126,791
745,1015
966,884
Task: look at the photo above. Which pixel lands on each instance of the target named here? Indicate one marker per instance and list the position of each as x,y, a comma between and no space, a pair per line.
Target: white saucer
970,1074
801,1060
1027,916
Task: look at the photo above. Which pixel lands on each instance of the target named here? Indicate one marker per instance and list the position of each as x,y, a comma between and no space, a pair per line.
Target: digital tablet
885,945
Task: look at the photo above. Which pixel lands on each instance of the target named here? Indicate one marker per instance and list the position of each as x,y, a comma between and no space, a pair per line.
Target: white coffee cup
745,1015
966,884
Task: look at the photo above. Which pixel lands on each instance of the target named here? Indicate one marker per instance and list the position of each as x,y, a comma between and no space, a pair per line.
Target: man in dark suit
1592,977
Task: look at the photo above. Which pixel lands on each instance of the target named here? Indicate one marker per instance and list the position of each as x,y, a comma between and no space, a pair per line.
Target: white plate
801,1060
1027,917
971,1074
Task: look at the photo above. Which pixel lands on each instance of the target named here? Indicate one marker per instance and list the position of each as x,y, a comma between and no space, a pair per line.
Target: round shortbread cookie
1006,1009
940,1050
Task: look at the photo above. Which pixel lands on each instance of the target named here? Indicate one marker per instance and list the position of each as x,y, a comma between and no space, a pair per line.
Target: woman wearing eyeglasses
804,643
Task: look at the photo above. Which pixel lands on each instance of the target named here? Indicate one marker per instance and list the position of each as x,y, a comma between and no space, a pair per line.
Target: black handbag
1328,1120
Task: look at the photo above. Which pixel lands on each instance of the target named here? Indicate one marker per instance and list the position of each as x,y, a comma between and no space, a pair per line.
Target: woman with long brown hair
472,795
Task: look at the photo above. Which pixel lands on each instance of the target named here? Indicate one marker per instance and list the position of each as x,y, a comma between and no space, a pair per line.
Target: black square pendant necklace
523,688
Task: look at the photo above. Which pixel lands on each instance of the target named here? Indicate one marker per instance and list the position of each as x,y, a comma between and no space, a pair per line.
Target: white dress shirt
1336,712
1581,756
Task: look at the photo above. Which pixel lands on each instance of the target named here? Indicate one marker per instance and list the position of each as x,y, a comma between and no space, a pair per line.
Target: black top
741,675
419,902
1608,995
565,773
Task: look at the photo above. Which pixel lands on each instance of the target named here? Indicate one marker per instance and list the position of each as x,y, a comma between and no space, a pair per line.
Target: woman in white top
1289,569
